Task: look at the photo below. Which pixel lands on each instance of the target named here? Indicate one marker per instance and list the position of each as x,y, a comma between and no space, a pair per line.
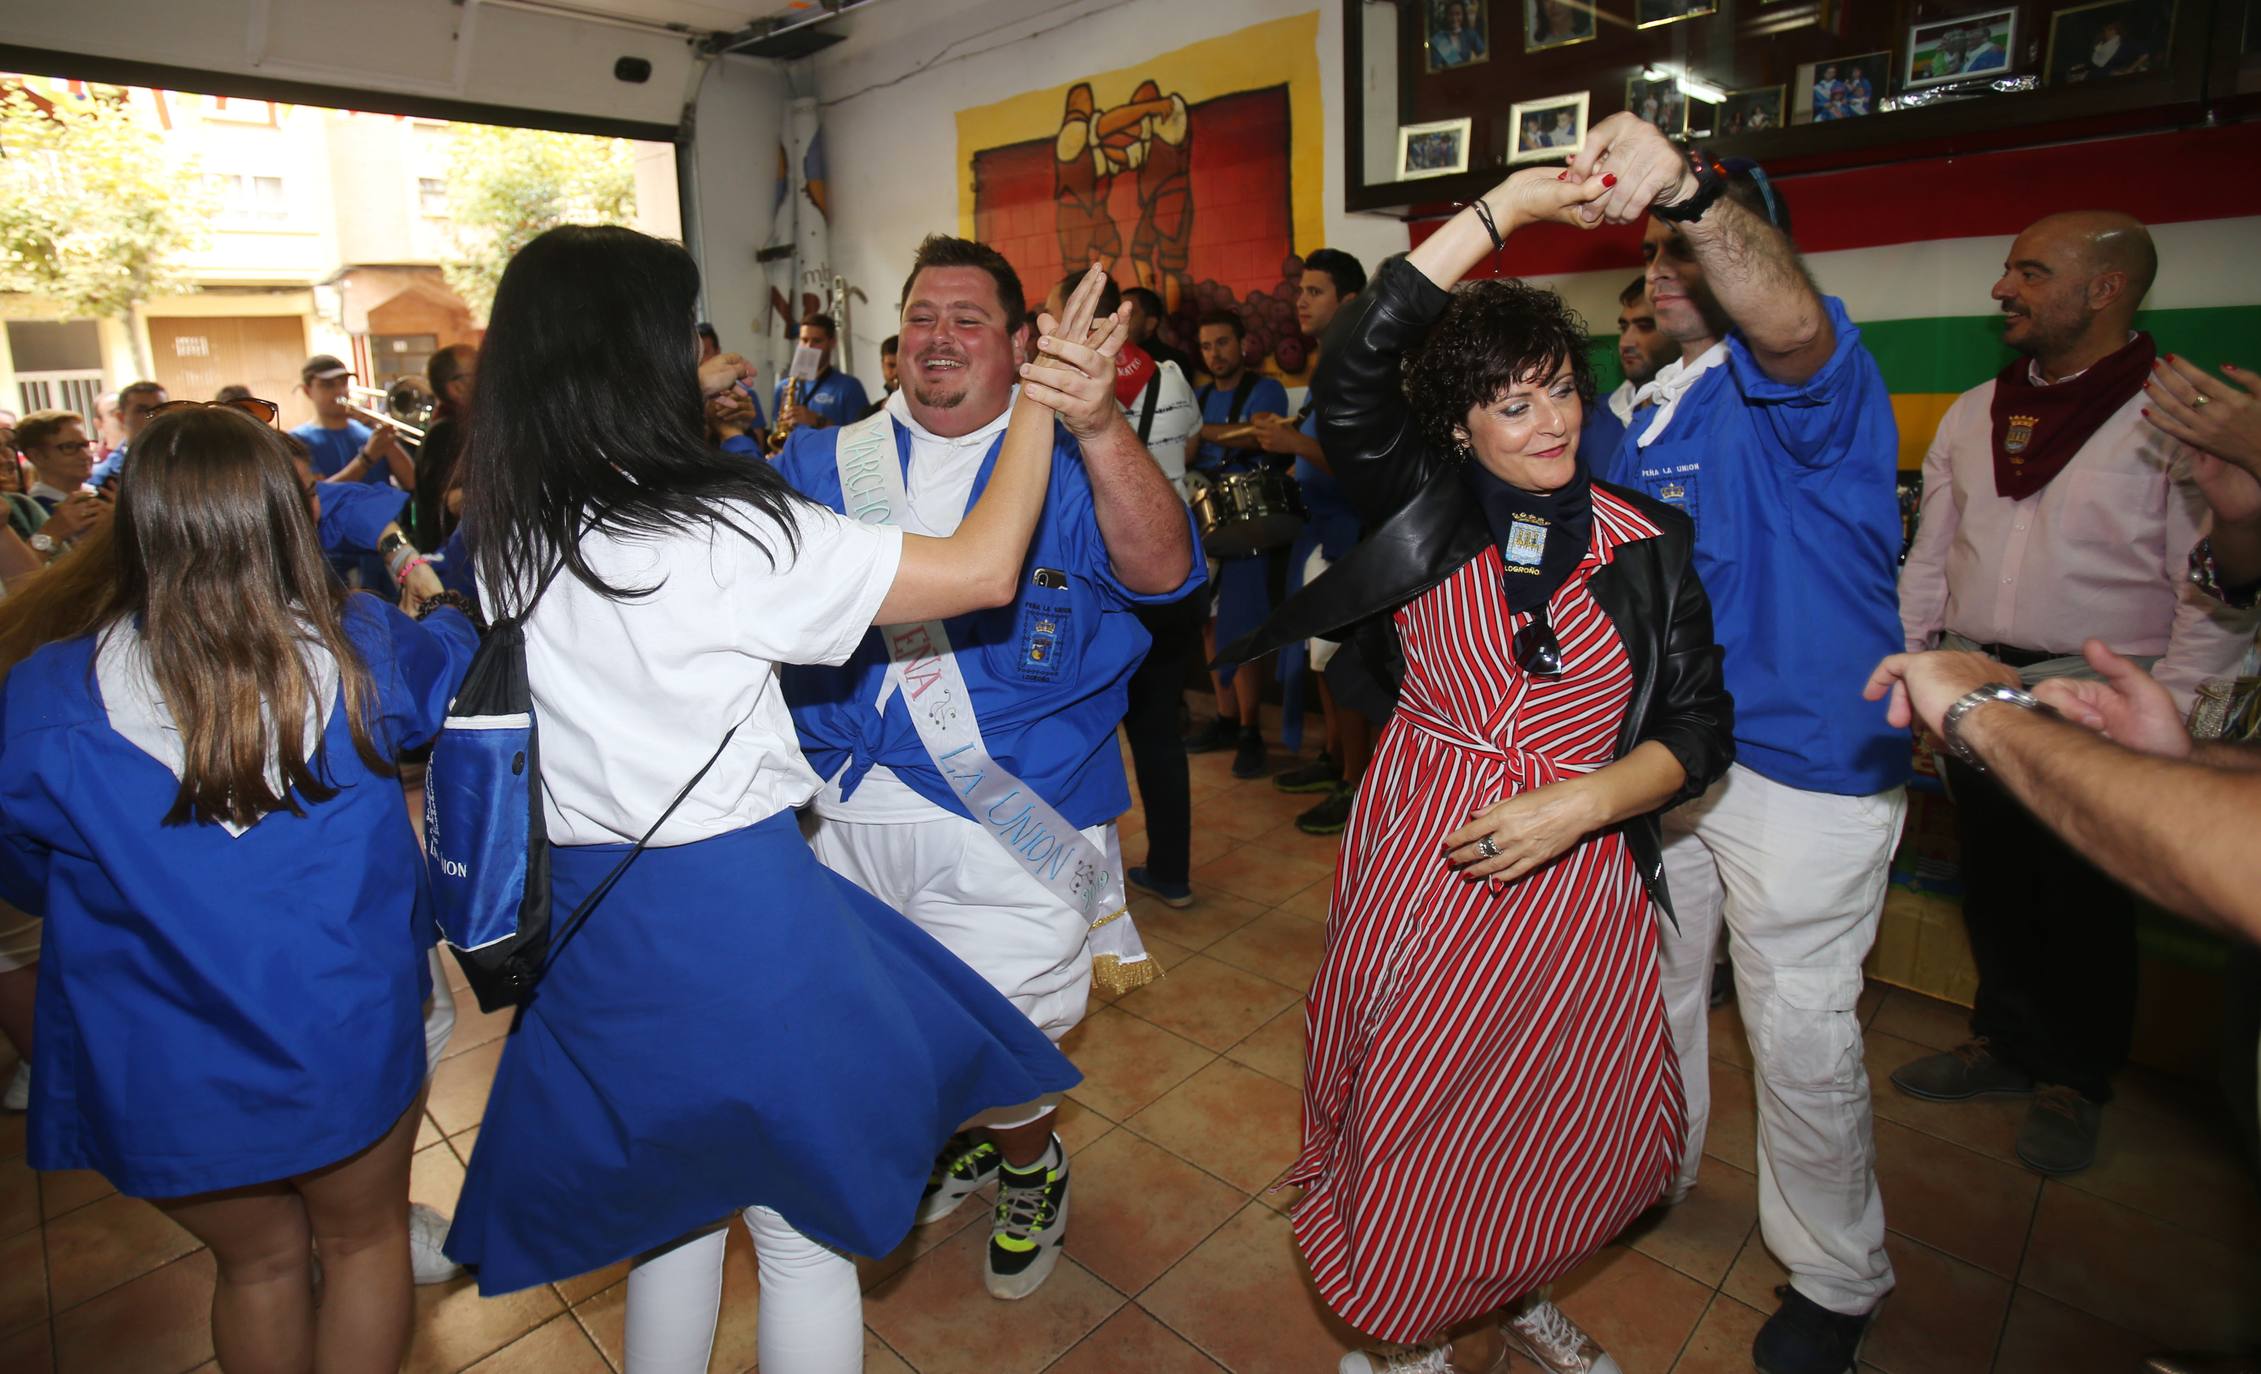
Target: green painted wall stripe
1955,353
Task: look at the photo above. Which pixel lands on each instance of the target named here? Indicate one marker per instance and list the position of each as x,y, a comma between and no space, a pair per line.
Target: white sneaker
427,1230
18,1096
1422,1359
1542,1334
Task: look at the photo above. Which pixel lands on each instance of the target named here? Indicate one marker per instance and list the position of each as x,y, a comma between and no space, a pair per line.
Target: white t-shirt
633,696
1177,418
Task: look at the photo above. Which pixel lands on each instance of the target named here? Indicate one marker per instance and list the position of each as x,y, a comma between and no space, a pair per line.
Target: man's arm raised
1749,266
1141,519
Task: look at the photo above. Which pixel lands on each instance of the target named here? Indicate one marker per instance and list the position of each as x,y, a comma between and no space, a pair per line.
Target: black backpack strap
580,917
1241,393
1146,407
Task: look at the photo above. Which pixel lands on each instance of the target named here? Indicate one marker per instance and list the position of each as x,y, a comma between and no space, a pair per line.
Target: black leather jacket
1423,525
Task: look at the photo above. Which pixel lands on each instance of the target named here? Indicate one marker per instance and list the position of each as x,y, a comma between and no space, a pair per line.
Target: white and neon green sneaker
967,1161
1031,1224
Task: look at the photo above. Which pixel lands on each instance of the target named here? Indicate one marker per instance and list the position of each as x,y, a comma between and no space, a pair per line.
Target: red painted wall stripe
2159,178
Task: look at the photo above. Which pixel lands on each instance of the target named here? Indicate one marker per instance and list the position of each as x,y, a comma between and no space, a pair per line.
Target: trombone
407,405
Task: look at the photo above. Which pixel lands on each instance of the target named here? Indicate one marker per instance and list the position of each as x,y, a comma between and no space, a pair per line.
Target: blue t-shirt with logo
1793,490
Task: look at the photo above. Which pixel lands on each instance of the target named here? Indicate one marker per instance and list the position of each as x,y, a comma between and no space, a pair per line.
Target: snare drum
1243,513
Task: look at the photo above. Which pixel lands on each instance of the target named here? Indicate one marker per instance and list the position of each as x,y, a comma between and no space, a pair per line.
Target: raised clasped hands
1542,195
1639,166
1074,372
723,371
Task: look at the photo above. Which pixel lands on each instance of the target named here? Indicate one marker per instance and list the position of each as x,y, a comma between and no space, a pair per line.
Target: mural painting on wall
1184,174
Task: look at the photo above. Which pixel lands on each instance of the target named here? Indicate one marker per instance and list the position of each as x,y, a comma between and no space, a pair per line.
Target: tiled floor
1178,1260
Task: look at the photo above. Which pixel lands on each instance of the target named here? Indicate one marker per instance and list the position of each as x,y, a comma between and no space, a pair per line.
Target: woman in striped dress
1491,1092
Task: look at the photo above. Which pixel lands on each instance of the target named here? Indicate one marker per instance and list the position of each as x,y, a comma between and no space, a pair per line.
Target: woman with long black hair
735,1027
1490,1088
198,792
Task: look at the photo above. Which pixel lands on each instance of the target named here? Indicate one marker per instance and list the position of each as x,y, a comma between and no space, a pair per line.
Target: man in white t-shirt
1036,688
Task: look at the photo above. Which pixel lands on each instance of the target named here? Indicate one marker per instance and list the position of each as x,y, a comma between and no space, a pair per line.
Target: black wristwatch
1711,180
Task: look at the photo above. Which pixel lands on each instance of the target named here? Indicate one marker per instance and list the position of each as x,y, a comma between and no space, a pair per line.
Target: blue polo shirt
332,449
1334,525
836,396
1602,433
1049,673
1217,409
1793,491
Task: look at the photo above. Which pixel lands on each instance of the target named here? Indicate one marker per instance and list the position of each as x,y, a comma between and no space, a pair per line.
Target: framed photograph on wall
1660,102
1753,111
2117,38
1432,150
1540,130
1456,33
1556,23
1845,87
1647,14
1976,45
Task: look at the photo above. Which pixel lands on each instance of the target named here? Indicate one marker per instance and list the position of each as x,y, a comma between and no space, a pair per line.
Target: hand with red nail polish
2211,414
1609,179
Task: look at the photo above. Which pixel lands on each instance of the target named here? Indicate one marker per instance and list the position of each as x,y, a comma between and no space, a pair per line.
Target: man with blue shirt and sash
1774,432
973,775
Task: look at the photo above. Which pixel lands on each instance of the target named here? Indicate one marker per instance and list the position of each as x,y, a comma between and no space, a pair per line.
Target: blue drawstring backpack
485,844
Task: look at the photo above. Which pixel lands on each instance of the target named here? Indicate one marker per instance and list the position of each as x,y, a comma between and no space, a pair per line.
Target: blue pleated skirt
735,1025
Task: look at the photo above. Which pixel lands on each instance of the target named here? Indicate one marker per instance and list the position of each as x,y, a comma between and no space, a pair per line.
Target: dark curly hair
1494,334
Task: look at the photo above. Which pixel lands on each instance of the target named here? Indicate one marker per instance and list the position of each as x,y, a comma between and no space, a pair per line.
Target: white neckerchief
943,469
138,712
1670,384
1620,403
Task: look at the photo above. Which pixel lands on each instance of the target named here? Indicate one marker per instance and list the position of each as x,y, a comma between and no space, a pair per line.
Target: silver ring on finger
1487,848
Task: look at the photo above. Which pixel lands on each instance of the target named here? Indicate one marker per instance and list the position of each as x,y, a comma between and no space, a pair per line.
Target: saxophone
795,388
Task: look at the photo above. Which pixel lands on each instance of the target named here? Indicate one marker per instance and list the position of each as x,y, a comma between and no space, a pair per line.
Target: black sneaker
1031,1224
1220,733
1803,1337
1320,775
966,1162
1177,896
1250,756
1330,816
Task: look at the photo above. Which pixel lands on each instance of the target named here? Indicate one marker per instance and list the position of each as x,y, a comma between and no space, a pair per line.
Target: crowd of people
1607,683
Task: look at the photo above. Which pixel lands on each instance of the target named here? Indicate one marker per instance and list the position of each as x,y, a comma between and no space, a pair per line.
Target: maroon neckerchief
2038,429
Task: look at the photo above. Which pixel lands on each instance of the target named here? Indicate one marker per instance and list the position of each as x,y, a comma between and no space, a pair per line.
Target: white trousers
812,1305
952,878
1799,878
439,1018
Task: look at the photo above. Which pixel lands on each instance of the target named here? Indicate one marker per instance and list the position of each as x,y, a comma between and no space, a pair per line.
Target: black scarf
1541,538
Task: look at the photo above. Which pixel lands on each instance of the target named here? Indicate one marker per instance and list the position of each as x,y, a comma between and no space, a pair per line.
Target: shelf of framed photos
1447,96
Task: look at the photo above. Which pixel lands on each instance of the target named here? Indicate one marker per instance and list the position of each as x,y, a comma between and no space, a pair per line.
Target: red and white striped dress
1490,1089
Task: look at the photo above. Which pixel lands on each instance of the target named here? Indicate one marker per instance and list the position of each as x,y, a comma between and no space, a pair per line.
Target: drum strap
1146,405
1242,390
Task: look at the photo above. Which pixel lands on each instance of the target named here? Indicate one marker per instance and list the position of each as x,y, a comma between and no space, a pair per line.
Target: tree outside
506,186
95,214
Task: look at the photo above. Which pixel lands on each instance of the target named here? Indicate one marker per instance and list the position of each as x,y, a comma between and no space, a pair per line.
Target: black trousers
1151,722
2054,940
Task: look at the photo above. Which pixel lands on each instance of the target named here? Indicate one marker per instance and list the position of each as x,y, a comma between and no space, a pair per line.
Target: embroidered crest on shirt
2020,435
1526,545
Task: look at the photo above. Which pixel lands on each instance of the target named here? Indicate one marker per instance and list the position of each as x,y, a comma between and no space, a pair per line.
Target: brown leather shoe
2059,1135
1968,1070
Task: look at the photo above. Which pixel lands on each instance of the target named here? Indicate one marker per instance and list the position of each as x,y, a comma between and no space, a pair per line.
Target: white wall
741,117
498,57
891,96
